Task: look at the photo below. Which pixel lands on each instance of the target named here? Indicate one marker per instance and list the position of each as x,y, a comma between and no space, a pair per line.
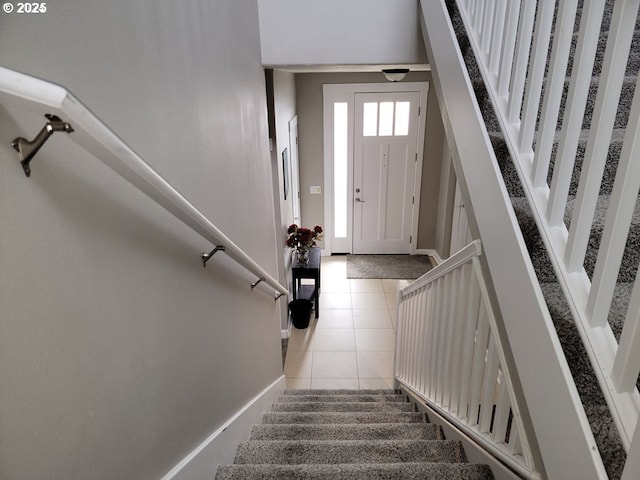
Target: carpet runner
349,435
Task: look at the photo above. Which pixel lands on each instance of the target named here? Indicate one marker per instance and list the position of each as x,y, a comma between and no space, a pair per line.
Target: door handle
358,200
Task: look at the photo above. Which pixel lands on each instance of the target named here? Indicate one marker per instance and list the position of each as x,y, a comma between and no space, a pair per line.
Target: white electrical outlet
315,190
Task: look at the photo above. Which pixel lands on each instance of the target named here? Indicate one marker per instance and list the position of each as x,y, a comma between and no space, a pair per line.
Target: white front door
384,171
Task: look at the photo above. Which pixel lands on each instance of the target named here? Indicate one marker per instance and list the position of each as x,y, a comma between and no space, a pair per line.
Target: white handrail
446,316
30,93
564,440
615,364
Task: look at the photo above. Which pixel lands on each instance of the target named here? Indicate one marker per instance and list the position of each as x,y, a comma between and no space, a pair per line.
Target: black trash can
300,312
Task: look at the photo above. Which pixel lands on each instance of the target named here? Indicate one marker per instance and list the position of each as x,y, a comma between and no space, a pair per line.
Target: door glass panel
402,119
370,119
340,168
386,119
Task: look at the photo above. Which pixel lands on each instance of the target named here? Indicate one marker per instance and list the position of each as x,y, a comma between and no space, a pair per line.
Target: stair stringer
474,452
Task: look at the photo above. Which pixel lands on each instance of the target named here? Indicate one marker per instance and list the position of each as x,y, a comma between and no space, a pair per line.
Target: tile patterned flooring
351,344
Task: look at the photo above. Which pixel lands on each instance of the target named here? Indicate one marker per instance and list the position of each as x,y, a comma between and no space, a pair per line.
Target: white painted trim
346,93
431,252
285,333
220,447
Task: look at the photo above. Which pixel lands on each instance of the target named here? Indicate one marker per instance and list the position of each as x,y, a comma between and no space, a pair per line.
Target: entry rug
388,266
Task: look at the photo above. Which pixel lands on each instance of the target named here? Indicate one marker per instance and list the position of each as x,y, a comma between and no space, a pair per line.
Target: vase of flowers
301,240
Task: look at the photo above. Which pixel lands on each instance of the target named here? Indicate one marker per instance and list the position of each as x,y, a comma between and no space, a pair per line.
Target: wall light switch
315,190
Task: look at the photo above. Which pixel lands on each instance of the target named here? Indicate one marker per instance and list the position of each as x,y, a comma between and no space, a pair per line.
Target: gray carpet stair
348,434
602,425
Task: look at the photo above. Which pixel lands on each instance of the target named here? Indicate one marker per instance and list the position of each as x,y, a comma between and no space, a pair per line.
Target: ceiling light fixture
395,74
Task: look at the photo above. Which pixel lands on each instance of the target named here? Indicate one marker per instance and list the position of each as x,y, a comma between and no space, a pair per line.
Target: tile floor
351,344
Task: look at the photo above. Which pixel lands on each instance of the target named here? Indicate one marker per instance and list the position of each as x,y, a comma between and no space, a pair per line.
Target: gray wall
335,32
284,92
119,352
309,104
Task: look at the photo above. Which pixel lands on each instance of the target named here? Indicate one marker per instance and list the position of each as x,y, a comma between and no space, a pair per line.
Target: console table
309,270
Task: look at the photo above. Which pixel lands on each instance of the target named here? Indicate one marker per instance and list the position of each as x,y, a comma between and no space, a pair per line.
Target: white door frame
333,93
295,168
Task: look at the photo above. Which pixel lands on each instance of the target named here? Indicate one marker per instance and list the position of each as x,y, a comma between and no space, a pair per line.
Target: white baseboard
220,447
431,252
285,333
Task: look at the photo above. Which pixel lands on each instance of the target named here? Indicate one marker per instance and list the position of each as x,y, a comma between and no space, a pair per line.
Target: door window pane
370,119
340,168
402,119
386,119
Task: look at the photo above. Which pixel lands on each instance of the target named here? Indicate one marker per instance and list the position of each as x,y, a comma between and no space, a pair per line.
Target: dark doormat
388,266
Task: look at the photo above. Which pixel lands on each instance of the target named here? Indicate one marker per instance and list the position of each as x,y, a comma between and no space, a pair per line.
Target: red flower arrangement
301,239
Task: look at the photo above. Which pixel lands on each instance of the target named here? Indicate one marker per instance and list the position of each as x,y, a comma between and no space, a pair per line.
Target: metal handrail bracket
30,93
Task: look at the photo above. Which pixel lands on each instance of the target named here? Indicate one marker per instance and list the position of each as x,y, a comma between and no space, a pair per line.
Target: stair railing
557,428
66,113
504,56
448,354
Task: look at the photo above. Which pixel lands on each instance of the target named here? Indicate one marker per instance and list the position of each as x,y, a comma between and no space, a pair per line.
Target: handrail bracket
27,149
207,256
255,284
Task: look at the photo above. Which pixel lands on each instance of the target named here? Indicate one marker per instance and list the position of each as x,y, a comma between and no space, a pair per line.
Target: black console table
309,270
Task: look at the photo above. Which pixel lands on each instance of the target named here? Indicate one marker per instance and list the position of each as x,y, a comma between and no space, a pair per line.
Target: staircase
349,434
601,422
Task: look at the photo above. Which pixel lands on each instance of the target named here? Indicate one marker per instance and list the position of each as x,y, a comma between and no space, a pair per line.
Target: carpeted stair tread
339,391
379,431
349,445
319,418
537,251
343,407
388,471
348,451
344,398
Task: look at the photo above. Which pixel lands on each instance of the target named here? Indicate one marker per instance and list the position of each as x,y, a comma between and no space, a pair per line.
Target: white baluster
445,329
574,112
435,340
541,36
501,418
553,91
423,349
457,347
487,28
604,113
527,17
497,35
626,366
632,467
479,354
489,386
471,325
508,47
621,206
